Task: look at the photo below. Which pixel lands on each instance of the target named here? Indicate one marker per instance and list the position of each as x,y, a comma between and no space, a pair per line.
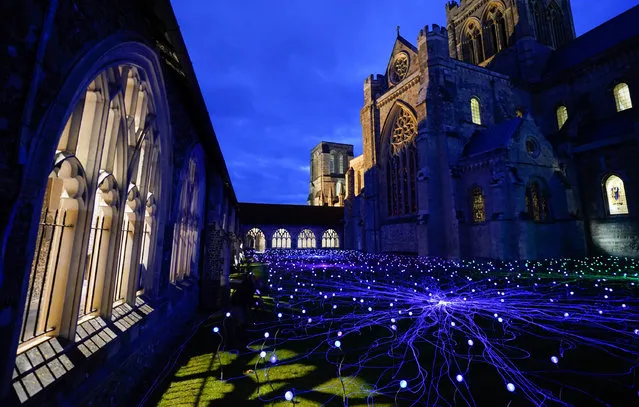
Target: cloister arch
189,217
255,239
330,239
281,239
306,239
97,137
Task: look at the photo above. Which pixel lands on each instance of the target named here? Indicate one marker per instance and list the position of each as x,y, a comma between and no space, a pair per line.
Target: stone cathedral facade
501,136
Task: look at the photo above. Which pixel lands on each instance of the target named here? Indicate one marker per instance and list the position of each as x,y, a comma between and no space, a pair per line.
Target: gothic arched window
622,97
330,239
497,38
113,137
472,45
401,165
332,163
306,240
475,110
616,193
562,116
186,231
478,205
255,240
281,239
537,202
541,22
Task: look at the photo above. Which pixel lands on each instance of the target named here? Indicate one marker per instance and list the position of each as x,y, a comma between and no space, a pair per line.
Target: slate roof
596,41
300,215
492,138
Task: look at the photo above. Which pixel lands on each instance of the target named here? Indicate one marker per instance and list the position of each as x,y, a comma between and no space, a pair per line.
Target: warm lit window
475,110
616,193
622,97
306,240
536,202
479,206
562,116
281,239
330,239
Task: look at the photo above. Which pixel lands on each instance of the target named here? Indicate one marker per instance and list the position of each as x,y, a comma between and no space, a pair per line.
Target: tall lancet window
401,165
472,45
495,33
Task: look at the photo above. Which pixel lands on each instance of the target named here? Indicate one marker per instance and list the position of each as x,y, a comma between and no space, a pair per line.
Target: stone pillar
423,177
211,278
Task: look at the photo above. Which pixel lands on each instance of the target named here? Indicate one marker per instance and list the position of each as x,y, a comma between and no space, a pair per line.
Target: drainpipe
35,80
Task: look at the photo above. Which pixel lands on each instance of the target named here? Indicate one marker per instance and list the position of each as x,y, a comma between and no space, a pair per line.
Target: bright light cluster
557,332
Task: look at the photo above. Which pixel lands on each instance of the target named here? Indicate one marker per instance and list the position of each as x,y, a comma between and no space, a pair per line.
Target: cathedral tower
480,29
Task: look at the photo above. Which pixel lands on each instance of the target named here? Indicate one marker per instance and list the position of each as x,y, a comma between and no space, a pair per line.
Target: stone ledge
55,371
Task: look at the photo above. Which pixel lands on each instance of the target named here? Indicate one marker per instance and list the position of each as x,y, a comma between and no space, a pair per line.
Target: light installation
557,332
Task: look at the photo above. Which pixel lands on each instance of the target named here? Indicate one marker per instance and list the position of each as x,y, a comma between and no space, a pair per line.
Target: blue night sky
280,76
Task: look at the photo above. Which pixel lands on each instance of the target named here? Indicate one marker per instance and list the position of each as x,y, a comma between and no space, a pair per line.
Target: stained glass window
562,116
622,97
616,193
536,202
479,206
401,166
475,110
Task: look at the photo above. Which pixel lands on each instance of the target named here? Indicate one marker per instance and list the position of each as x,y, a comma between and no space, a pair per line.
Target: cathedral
501,136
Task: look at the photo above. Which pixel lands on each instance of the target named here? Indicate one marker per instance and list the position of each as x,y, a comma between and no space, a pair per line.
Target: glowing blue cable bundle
449,323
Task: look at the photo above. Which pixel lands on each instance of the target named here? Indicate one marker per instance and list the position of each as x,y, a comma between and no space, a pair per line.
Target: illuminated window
562,116
622,97
536,202
616,193
479,206
475,110
330,239
256,240
340,164
281,239
401,165
82,252
306,240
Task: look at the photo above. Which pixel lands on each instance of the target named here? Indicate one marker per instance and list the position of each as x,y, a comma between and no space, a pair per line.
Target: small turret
372,88
432,43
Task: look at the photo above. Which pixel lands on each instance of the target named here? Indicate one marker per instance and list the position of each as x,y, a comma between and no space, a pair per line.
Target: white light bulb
510,387
266,334
470,342
459,378
554,359
228,314
288,395
338,344
262,354
216,329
